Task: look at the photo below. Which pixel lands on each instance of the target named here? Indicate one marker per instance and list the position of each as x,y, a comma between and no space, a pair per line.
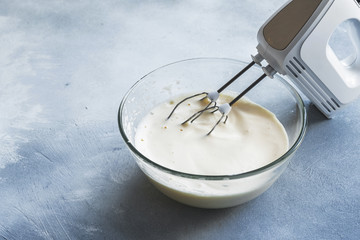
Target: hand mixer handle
341,78
294,41
353,30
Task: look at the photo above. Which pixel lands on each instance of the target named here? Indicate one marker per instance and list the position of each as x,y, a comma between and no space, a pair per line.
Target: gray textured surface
65,172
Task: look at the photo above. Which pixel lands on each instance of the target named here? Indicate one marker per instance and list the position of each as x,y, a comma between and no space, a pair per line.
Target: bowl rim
269,166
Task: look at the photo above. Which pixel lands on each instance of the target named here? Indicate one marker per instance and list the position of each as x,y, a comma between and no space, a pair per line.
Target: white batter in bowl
207,171
251,138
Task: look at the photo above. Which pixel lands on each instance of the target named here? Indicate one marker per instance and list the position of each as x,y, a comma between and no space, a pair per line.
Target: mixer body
295,42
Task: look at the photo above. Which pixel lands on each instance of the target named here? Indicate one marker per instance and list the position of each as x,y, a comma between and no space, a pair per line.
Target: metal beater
294,41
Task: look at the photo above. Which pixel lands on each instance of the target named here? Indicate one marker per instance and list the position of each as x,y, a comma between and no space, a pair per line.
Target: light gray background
65,172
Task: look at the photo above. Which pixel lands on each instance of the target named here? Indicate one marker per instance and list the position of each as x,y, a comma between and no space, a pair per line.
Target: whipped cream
251,138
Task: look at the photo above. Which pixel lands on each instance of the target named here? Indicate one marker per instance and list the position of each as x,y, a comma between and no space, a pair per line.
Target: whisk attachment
247,89
185,99
225,109
199,113
213,96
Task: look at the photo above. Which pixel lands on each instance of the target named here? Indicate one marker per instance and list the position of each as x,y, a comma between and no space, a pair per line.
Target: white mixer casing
295,42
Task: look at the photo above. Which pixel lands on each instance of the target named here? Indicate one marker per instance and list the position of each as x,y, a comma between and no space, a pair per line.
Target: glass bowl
208,74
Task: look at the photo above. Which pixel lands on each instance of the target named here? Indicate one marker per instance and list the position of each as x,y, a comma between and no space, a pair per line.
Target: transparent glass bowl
208,74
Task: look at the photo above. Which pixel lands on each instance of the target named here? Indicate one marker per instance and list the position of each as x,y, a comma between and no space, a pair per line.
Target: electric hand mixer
294,42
